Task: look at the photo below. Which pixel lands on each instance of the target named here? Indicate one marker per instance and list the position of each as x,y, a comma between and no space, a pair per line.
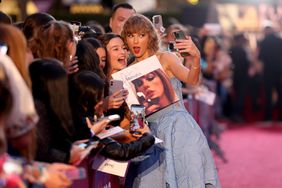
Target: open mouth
136,50
122,60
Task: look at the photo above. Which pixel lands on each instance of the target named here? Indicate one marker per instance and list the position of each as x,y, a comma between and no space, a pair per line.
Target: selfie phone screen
115,85
138,118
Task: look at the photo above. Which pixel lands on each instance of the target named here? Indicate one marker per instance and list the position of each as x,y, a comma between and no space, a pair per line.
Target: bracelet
193,67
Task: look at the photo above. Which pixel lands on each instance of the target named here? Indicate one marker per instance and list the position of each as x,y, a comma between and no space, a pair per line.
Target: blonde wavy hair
139,23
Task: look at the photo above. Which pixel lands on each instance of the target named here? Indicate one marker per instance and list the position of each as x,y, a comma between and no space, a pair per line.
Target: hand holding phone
158,23
72,66
137,118
117,95
180,35
114,86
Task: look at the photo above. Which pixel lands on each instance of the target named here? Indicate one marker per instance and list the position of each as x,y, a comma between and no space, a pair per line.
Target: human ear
110,24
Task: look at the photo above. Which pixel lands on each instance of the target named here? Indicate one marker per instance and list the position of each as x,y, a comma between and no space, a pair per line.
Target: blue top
182,160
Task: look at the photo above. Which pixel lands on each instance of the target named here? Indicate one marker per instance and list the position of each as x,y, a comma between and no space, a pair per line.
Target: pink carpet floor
254,154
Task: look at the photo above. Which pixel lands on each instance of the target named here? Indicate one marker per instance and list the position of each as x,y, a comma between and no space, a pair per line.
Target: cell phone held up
180,35
138,118
158,23
114,86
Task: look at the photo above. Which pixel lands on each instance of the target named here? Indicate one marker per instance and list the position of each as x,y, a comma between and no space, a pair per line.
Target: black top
53,143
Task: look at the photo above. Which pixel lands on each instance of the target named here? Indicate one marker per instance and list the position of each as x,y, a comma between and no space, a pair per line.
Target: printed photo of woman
154,91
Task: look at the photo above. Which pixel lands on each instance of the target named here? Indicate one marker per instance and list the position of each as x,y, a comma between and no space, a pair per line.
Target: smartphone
137,109
158,23
76,174
3,48
138,119
180,35
114,86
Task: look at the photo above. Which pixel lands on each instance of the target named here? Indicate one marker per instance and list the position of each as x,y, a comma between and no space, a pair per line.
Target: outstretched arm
173,66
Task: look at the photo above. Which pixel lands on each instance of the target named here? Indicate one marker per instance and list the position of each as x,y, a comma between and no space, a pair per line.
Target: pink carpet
254,154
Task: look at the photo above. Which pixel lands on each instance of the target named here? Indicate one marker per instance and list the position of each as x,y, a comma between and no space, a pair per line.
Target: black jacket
126,151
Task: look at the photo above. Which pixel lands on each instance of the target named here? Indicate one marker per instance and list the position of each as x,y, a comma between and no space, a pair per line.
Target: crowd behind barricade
55,98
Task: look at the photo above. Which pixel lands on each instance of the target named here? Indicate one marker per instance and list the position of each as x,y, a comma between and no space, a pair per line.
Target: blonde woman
184,159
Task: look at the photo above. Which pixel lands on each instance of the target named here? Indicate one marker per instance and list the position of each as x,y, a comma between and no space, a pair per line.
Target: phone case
115,85
158,22
179,35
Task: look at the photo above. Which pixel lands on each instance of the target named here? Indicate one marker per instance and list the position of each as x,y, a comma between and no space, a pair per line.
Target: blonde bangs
141,24
136,25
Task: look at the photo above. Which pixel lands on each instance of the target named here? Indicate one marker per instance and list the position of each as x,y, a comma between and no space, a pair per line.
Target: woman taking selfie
184,158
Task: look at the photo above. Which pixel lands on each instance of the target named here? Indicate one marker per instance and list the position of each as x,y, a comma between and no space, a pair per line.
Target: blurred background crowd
241,61
229,34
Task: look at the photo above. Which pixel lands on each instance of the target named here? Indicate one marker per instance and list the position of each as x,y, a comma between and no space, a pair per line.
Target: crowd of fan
54,79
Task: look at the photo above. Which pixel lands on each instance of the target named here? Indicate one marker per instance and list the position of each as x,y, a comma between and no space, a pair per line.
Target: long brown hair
17,48
51,41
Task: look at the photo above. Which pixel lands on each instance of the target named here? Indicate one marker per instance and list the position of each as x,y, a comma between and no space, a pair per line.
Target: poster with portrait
147,85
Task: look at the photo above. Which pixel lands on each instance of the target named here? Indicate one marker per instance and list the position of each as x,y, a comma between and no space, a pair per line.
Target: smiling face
117,54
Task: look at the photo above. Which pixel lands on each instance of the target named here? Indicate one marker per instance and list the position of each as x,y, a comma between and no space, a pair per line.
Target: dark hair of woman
5,94
52,41
17,47
97,27
86,90
5,106
4,18
89,35
50,86
33,22
87,58
95,43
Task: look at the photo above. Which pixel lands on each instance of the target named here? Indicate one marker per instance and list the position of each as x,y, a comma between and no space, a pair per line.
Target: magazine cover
147,85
